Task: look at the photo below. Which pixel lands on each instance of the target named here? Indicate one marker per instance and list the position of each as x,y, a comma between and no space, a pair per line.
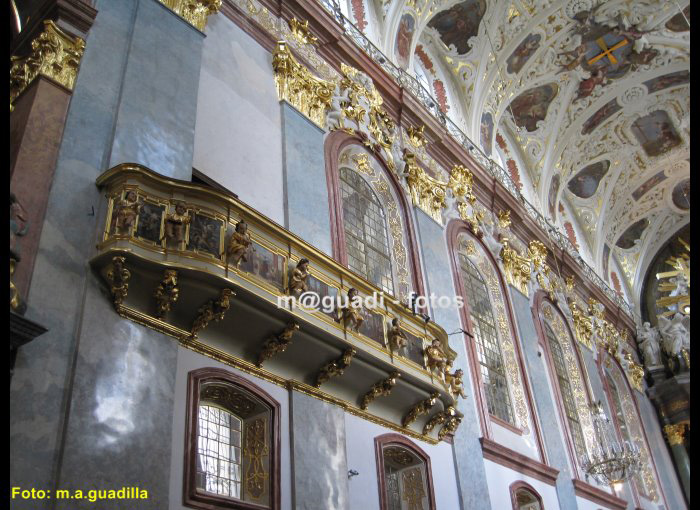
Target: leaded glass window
526,500
219,452
365,226
490,357
567,394
404,479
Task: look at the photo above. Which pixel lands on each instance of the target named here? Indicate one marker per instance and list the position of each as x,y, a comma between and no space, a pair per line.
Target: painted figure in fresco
600,116
437,361
397,338
239,245
667,80
585,183
530,107
403,40
176,224
459,23
203,235
578,55
523,52
352,315
126,212
297,281
486,131
648,340
587,86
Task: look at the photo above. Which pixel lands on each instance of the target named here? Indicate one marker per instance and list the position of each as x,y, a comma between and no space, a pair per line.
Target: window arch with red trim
525,497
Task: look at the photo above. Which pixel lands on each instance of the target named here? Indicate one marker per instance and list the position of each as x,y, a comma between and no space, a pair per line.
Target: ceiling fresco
567,86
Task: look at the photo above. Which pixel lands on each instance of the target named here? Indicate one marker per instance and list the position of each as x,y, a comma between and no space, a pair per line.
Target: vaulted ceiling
585,102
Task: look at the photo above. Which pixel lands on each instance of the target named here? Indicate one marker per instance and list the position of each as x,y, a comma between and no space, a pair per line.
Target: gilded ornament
297,280
335,368
55,55
176,226
455,383
422,407
517,267
16,303
415,136
166,293
583,326
194,12
504,219
439,419
352,315
413,489
301,32
635,373
461,183
240,245
380,389
279,343
678,284
125,213
451,424
427,193
212,310
675,433
255,451
296,85
118,277
437,361
474,220
570,283
396,338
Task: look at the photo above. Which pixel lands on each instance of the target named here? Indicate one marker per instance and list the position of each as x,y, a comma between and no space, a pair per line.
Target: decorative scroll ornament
335,368
415,136
583,327
357,99
462,183
55,55
675,433
474,219
301,32
422,407
517,267
451,424
166,293
381,389
118,277
212,310
635,373
504,219
427,193
538,256
194,12
439,419
278,343
256,449
296,85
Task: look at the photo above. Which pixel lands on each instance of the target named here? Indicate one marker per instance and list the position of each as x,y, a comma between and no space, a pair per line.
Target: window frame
194,498
393,439
521,484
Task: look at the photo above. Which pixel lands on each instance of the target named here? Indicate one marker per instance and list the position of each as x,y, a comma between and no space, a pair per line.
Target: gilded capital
296,85
55,55
461,183
426,192
675,433
194,12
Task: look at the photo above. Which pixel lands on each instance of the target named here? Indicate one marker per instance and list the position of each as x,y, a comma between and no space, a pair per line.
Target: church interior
350,254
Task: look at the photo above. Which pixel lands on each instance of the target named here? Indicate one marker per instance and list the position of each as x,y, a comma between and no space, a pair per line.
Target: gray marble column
546,408
91,399
319,461
306,211
471,473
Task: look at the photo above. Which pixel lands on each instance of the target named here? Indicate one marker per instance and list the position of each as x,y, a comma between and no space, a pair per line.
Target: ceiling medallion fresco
633,234
678,23
585,183
522,53
531,106
648,184
656,133
402,47
459,23
681,195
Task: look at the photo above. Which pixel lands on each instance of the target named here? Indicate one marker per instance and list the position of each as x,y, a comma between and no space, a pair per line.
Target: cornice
598,496
518,462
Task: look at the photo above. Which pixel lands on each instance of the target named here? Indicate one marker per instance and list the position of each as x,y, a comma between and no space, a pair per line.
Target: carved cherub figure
166,293
176,223
297,281
578,55
397,338
455,383
126,211
278,343
437,361
240,245
352,315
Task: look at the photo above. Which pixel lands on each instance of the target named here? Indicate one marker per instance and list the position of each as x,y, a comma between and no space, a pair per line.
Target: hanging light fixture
609,462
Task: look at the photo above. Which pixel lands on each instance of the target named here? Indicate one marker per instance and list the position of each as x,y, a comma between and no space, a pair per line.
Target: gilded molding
194,12
422,407
212,310
504,220
675,433
296,85
427,193
336,367
517,268
278,343
379,389
583,327
461,183
118,277
55,55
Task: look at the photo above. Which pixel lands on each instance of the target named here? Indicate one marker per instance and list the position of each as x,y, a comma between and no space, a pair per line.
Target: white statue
648,339
675,333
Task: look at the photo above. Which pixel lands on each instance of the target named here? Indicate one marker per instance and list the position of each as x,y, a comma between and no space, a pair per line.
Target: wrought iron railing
411,84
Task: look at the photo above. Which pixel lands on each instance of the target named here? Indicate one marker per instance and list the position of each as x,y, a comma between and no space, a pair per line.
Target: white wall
500,479
238,134
364,488
187,361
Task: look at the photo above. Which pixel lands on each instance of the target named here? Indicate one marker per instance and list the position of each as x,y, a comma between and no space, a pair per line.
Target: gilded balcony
164,255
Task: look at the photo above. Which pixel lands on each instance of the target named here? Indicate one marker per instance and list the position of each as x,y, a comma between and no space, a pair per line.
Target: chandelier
609,462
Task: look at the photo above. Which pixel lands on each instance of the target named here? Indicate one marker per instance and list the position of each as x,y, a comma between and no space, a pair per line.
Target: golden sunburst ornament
678,284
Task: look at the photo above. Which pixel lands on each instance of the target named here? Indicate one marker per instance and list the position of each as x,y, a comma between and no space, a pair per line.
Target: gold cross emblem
607,52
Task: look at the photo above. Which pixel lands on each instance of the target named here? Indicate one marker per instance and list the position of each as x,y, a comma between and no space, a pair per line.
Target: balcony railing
163,254
411,84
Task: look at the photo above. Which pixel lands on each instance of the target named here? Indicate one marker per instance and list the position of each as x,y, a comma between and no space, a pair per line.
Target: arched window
366,235
404,473
490,357
232,455
525,497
